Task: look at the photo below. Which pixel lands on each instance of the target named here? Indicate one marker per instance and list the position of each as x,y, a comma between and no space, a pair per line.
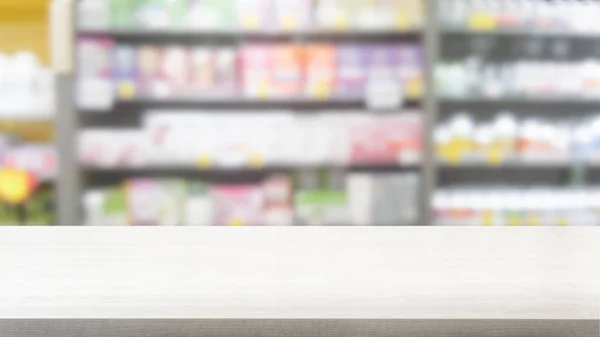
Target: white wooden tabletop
345,272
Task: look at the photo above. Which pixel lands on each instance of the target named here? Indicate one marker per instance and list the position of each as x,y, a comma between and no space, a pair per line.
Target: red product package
386,140
238,205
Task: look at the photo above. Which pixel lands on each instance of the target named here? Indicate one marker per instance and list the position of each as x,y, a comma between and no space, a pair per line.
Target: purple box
125,71
411,60
384,61
352,66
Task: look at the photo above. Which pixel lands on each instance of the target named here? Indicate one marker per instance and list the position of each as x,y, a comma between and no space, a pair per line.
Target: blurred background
300,112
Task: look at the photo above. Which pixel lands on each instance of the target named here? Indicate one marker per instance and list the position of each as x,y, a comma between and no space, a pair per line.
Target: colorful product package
199,205
321,208
226,68
203,71
352,63
143,202
411,63
238,205
278,201
106,207
383,89
156,203
333,14
211,14
320,71
123,13
149,71
152,14
292,15
125,63
254,14
256,73
287,70
175,71
177,11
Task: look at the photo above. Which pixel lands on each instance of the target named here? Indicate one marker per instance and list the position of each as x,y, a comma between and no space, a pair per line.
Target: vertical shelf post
430,112
62,29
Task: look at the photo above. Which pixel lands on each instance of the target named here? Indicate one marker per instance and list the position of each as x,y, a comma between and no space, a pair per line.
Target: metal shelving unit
433,106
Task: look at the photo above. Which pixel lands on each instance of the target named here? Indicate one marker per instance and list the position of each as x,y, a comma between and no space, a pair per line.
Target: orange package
288,70
320,71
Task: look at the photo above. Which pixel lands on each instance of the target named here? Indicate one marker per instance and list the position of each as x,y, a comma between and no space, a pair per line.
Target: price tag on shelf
204,161
495,157
402,21
256,161
384,94
237,222
126,90
514,220
482,22
321,90
289,22
251,21
340,21
488,218
534,220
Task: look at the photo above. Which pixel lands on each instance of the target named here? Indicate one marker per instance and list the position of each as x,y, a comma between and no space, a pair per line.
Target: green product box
123,13
114,208
321,208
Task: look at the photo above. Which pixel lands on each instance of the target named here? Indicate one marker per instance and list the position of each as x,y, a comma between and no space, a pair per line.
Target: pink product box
238,205
256,63
226,71
143,202
94,57
352,66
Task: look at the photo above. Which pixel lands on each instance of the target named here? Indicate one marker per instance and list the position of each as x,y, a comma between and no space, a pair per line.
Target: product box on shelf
125,71
292,15
411,67
287,70
199,205
149,58
94,14
254,14
320,70
106,207
321,208
238,205
203,75
386,140
123,13
156,202
95,73
337,14
257,67
351,72
175,70
278,203
226,72
207,15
